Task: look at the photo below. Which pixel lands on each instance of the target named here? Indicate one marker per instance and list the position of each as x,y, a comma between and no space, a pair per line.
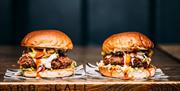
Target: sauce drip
39,67
126,76
149,72
38,63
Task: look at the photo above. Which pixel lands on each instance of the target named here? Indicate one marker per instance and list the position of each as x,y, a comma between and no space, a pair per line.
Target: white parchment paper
82,71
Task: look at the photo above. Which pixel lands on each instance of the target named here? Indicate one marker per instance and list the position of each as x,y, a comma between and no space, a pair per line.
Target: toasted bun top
127,41
47,39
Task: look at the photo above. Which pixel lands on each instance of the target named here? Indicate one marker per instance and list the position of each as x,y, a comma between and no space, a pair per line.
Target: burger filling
44,59
133,59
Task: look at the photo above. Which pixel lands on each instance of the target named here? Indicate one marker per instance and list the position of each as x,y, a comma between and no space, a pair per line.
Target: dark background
89,22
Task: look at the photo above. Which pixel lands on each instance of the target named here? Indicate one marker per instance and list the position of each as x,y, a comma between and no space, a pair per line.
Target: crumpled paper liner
81,72
16,75
92,71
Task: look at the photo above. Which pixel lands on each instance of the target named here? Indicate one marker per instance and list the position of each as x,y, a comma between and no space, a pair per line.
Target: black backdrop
90,21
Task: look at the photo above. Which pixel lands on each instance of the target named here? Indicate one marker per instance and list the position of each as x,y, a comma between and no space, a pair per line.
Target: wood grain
91,87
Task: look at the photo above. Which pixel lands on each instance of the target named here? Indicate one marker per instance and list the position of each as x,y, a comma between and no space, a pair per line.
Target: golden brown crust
47,39
51,73
127,41
111,73
127,74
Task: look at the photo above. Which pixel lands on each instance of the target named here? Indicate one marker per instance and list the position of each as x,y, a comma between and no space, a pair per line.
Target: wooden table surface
172,49
170,66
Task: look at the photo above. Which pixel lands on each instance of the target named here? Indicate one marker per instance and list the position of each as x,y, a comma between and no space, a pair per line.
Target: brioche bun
111,72
125,72
47,39
127,41
51,73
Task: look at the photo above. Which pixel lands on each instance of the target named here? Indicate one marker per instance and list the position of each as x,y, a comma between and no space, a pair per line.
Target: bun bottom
125,72
51,73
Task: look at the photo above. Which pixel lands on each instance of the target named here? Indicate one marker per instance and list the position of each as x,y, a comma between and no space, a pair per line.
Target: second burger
127,56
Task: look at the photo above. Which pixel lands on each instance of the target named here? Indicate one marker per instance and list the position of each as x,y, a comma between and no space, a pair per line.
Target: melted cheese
127,59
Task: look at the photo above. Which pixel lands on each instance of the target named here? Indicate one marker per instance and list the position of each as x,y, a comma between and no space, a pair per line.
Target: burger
45,54
127,55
